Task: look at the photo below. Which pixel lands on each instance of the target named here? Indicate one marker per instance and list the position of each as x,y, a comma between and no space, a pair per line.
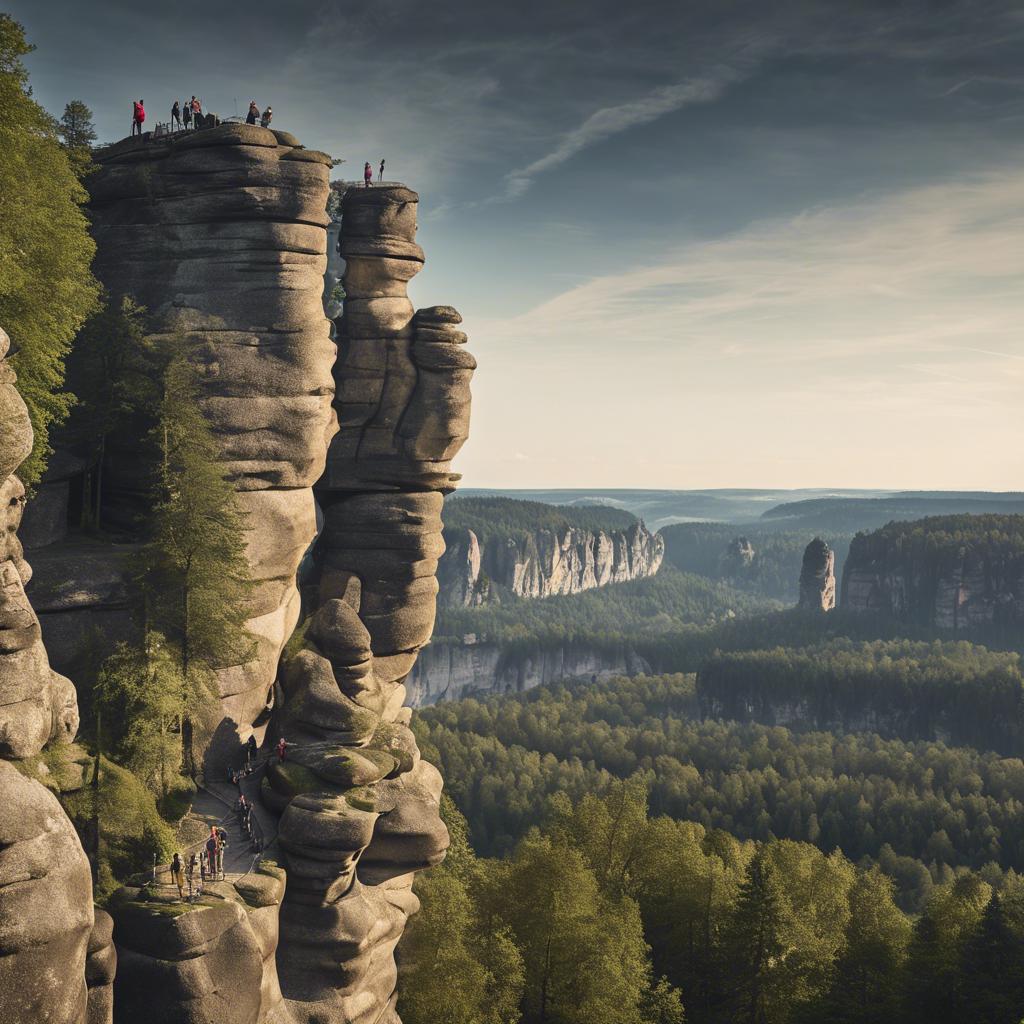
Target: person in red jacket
367,175
138,116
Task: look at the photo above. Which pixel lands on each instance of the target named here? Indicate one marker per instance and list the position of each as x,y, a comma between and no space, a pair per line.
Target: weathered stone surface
545,563
46,913
356,823
100,969
949,585
818,577
221,234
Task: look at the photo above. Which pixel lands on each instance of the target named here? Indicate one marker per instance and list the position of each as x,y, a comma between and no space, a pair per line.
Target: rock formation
818,577
945,572
544,563
48,931
222,236
451,671
359,808
738,558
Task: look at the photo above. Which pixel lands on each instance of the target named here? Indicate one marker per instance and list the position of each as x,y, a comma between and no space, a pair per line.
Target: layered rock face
446,671
48,932
545,563
969,577
818,577
359,807
222,235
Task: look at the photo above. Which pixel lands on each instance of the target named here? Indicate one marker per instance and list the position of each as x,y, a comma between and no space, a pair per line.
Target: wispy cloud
610,121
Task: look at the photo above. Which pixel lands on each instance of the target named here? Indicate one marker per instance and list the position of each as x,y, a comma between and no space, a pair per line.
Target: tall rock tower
222,235
818,577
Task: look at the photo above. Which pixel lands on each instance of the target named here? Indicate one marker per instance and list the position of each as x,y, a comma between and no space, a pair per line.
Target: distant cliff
499,547
446,671
948,572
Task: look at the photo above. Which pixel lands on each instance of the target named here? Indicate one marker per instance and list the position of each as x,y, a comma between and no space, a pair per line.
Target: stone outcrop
956,573
818,577
738,559
544,563
450,671
358,806
222,236
46,912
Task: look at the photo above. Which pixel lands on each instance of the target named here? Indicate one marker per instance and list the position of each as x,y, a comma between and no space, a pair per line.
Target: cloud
610,121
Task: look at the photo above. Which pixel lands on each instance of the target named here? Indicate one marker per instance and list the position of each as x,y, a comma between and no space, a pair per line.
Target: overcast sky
696,244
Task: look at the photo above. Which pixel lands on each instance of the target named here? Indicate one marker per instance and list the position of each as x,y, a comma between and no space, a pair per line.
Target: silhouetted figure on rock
268,115
176,116
367,174
138,117
381,177
254,113
178,875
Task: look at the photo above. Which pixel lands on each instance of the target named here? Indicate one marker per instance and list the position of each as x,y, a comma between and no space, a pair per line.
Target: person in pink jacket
138,116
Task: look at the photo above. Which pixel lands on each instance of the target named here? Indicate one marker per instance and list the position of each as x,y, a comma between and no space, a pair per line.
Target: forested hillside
502,518
772,568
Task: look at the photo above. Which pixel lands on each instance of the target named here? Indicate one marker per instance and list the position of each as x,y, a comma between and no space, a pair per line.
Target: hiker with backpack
138,117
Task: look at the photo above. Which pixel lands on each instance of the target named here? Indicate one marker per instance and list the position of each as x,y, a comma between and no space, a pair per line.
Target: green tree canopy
46,288
78,133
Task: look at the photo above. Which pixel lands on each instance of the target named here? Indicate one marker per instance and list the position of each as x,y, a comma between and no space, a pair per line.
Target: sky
695,244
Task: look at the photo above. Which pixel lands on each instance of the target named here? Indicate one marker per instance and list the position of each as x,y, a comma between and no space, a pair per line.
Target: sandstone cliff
544,563
946,572
56,958
222,236
446,671
818,577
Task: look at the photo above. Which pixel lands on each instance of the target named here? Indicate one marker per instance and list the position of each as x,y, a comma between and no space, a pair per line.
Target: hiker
202,868
197,112
178,874
212,849
367,174
254,112
282,743
186,115
176,115
251,749
190,871
266,118
138,117
381,178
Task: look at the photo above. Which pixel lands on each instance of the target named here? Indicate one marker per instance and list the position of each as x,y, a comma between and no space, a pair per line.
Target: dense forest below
956,691
604,914
921,810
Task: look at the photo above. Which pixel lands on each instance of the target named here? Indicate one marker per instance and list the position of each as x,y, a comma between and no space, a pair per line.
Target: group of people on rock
368,174
186,115
209,860
254,115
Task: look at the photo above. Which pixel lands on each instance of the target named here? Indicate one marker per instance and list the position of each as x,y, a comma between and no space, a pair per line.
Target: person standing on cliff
254,113
367,175
176,115
268,115
197,111
381,178
186,115
138,116
178,874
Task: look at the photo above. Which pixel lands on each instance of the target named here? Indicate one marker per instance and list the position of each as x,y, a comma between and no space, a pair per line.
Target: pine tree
78,133
992,966
46,288
115,373
197,578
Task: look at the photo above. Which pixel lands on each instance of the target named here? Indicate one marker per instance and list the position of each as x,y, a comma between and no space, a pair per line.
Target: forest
774,572
956,691
921,810
604,914
499,518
